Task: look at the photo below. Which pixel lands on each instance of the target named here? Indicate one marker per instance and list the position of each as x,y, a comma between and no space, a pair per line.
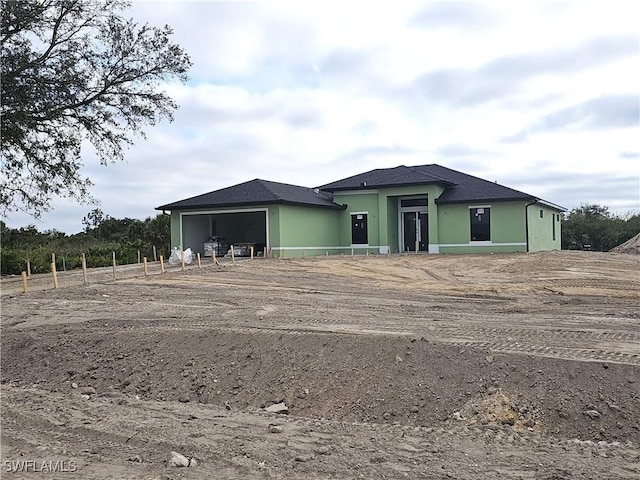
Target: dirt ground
523,366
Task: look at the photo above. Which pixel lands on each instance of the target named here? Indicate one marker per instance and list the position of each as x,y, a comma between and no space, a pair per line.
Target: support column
433,222
383,224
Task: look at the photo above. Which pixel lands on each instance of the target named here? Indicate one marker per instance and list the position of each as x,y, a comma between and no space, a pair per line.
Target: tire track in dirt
237,445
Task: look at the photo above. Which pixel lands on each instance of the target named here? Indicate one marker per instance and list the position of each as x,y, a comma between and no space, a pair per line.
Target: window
480,224
553,227
541,213
359,235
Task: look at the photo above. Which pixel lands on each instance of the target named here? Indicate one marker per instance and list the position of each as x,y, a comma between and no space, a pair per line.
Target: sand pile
630,246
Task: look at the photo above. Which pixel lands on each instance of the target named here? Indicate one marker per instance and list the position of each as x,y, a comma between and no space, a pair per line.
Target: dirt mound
404,366
630,246
342,377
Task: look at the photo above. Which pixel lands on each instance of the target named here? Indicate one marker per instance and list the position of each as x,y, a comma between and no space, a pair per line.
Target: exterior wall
383,220
541,229
393,240
358,203
305,231
175,229
300,230
507,228
274,226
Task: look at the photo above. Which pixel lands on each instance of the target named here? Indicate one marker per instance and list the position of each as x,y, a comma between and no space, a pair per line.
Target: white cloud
311,92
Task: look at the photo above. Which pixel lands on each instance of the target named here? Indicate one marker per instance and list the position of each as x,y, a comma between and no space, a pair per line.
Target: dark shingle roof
385,177
469,188
255,192
459,187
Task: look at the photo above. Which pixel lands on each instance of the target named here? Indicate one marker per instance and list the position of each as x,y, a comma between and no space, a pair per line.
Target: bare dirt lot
523,366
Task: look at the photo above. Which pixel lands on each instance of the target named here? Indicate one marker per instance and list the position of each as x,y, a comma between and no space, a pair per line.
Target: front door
415,231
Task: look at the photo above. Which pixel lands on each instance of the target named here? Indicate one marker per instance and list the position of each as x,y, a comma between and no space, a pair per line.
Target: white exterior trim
354,247
484,244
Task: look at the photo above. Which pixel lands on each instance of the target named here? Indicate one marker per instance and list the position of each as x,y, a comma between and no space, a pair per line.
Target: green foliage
126,237
594,225
74,71
12,261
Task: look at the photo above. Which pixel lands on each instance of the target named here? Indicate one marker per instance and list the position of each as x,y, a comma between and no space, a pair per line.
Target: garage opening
204,232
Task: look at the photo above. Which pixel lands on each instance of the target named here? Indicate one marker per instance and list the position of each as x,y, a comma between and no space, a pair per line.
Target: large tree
75,70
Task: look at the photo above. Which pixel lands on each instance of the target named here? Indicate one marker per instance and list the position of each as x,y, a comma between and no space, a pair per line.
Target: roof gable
255,192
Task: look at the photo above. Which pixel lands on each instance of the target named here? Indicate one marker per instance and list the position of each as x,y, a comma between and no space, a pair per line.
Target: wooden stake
55,275
114,266
28,269
161,264
182,257
64,265
155,258
53,258
282,253
264,252
199,264
233,256
352,252
417,246
213,256
138,256
251,253
84,268
144,263
24,282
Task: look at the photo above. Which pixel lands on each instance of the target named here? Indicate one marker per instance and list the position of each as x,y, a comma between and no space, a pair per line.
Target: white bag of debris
176,256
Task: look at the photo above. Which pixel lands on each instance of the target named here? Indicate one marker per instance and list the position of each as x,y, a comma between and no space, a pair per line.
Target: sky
540,96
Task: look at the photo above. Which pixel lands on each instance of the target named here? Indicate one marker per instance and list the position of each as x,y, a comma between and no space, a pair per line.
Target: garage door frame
215,212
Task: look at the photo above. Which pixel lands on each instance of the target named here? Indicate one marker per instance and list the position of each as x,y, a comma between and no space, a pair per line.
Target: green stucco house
426,208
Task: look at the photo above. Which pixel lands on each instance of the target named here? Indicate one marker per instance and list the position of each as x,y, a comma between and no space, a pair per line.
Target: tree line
102,236
594,227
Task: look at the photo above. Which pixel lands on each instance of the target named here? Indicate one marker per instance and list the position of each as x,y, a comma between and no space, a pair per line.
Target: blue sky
539,96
